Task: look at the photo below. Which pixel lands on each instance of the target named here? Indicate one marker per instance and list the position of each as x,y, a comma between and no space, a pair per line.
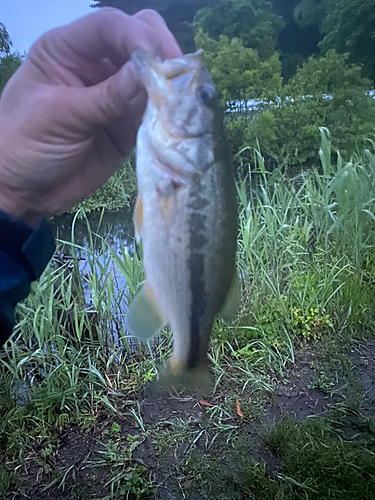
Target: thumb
119,96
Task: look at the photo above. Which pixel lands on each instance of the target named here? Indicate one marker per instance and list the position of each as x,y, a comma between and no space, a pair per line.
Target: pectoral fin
167,199
138,218
167,207
144,318
230,307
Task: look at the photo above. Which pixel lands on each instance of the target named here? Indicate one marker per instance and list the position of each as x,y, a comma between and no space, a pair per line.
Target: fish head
181,93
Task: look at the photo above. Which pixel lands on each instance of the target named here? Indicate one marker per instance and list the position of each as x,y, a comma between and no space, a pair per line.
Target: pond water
116,227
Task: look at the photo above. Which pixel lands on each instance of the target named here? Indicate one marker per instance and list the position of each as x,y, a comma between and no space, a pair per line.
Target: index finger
110,33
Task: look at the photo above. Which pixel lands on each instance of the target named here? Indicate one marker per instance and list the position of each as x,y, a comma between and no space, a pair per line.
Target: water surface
116,227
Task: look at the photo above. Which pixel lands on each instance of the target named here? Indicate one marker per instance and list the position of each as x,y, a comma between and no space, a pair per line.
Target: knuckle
109,11
110,15
150,17
44,40
149,31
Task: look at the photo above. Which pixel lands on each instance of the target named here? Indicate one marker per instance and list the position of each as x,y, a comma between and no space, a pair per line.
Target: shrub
325,92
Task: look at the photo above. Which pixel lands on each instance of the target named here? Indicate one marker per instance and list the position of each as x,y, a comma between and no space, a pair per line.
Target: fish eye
205,94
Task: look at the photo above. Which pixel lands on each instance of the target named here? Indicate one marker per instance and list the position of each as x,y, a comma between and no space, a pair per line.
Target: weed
311,325
320,460
127,480
306,261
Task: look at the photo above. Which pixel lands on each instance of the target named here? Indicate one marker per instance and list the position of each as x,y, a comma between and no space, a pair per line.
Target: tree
178,14
9,62
237,71
296,42
8,65
328,75
349,27
251,21
5,42
239,75
310,12
326,91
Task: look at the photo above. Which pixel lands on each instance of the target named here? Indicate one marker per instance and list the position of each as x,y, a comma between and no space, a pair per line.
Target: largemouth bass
185,213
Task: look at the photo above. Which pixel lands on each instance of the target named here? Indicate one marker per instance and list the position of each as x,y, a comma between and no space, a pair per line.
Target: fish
185,213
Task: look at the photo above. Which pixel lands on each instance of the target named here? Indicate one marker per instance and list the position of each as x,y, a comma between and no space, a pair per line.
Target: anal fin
144,318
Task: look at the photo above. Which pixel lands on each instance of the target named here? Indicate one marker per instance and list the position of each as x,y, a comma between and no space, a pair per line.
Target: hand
70,114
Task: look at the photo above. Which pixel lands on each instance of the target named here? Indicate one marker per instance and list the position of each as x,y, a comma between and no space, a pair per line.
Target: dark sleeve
24,254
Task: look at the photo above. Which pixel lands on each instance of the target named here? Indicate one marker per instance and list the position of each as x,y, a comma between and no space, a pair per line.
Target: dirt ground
314,383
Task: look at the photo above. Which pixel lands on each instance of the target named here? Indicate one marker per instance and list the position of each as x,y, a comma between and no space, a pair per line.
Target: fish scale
185,212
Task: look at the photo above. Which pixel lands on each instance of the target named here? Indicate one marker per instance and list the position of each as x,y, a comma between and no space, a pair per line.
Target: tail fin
180,376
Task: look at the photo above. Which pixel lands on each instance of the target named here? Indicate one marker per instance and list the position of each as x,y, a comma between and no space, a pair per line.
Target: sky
26,20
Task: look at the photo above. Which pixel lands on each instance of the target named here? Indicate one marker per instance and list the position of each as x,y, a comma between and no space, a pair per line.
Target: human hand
70,113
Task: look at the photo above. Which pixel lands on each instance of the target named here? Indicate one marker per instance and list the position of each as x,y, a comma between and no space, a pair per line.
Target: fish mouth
156,75
170,68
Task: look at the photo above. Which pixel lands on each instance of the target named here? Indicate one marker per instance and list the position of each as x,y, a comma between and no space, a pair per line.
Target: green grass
127,479
307,262
331,458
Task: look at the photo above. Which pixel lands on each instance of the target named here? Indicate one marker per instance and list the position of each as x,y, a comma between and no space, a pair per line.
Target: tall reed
305,257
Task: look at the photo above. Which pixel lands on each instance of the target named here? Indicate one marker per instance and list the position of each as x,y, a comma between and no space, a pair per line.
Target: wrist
28,248
21,212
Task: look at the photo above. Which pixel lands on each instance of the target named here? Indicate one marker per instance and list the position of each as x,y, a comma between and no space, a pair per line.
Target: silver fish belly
186,209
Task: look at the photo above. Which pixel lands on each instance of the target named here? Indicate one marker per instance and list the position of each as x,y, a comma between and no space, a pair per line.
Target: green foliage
359,292
127,479
237,71
5,42
306,260
325,92
303,244
252,21
118,192
292,135
115,428
311,324
268,26
331,75
320,459
290,64
54,370
8,66
248,130
7,478
9,62
308,12
349,27
232,473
